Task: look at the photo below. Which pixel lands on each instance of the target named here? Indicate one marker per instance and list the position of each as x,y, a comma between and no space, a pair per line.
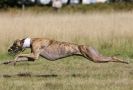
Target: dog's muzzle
14,50
9,50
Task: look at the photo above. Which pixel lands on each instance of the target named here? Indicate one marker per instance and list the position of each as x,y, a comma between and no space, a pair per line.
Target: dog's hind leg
93,55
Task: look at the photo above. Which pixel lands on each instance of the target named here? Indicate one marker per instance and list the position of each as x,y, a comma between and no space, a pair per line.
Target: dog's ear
22,42
16,41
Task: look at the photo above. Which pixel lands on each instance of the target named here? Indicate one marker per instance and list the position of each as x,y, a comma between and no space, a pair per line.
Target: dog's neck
27,43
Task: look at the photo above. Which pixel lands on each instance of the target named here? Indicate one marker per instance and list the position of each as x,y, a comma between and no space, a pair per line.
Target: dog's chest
56,51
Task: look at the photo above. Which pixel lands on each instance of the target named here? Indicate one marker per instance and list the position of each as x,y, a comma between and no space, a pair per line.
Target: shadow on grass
27,74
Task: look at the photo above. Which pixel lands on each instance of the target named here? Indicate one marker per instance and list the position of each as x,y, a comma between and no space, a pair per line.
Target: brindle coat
53,50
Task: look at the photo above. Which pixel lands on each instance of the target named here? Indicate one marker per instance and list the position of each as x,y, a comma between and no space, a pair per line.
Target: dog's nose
9,50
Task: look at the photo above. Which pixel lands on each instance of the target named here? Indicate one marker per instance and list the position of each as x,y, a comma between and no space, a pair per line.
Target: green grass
5,56
111,33
72,73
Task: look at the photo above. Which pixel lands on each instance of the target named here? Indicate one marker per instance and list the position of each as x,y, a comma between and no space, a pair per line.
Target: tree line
4,3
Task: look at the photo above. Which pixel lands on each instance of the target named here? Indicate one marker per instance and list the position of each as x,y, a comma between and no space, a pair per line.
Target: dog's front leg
26,57
30,57
23,57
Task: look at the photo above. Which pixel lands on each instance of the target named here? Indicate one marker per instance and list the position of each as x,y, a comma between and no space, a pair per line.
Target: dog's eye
14,44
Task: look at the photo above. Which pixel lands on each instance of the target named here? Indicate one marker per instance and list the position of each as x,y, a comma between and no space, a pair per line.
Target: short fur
53,50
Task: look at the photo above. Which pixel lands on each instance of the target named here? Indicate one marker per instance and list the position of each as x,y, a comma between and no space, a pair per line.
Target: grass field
111,33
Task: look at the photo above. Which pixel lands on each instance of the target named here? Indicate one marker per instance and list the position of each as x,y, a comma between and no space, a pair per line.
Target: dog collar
27,43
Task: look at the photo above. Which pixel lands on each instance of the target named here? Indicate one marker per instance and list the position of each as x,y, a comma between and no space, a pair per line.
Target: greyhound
53,50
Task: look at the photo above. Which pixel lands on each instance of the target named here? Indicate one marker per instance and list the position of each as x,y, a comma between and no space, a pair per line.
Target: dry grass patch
111,33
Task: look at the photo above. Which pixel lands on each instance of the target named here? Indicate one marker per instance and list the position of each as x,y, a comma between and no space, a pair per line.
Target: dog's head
16,47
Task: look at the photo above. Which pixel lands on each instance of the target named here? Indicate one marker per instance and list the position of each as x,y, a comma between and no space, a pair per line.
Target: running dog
53,50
